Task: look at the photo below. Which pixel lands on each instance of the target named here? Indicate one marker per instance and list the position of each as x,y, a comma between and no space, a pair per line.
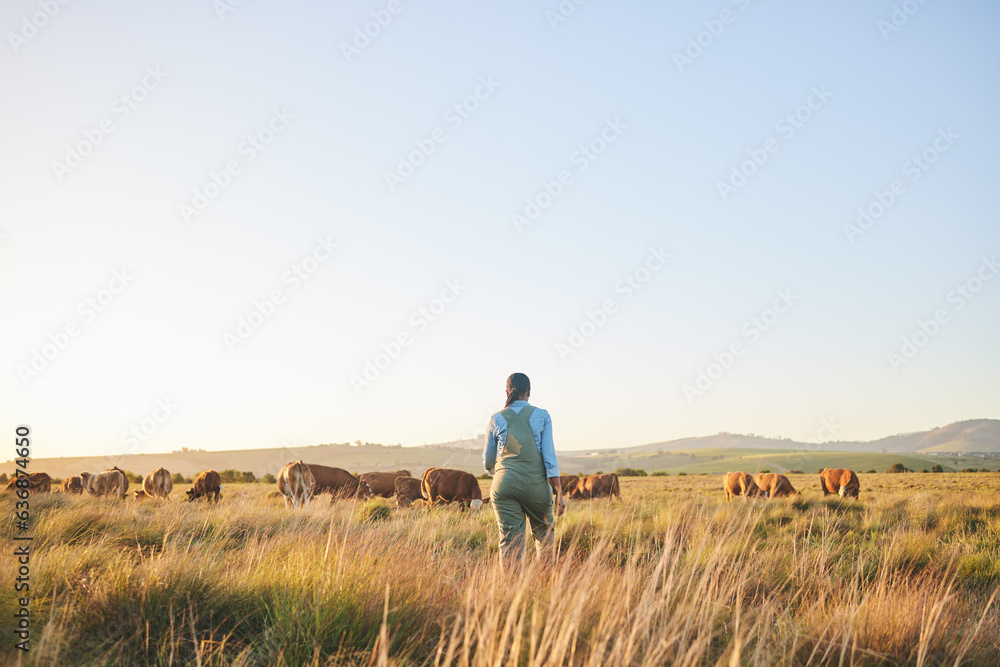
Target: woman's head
518,388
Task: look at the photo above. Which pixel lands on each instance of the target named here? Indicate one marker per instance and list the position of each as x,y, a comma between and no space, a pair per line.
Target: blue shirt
541,428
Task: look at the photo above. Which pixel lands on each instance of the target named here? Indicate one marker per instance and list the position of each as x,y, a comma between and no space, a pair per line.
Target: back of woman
520,454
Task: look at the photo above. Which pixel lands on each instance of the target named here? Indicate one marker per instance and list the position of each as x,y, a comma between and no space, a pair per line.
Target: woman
519,448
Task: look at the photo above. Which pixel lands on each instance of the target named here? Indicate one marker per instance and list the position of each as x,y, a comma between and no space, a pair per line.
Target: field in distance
973,443
673,574
366,458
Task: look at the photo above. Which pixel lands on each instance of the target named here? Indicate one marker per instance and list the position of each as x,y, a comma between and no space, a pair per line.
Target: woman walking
522,459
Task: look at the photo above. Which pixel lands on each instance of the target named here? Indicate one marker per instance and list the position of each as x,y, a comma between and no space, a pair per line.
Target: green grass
674,574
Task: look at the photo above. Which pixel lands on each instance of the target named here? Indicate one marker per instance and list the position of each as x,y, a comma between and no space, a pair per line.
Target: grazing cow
208,484
740,484
608,486
568,484
597,486
383,483
296,483
449,485
840,481
407,490
110,482
774,485
38,482
72,485
124,477
140,495
338,483
157,484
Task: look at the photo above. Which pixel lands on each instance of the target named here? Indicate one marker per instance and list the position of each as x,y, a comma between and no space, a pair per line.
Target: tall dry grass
673,575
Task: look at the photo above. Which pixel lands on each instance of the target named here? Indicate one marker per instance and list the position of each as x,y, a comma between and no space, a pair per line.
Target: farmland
469,458
910,573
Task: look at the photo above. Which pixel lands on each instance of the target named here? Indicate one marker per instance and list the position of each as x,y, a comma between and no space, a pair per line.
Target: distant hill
973,435
714,453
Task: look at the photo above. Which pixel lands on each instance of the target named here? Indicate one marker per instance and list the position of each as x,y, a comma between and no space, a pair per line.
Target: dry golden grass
910,574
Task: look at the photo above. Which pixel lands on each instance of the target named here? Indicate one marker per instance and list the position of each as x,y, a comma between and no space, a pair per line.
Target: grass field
909,574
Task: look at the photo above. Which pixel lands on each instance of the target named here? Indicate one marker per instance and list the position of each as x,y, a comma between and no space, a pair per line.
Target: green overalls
520,488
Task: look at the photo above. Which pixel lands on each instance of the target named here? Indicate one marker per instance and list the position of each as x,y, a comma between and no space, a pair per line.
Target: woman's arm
552,465
490,450
549,449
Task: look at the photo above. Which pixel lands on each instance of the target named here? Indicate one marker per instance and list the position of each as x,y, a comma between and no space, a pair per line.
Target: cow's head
365,490
140,495
475,504
191,494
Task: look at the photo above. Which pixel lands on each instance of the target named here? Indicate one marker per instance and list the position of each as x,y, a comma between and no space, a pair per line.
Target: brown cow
740,484
407,490
208,484
157,484
124,476
38,482
774,485
72,485
597,486
383,483
338,483
449,485
296,483
841,481
567,483
110,482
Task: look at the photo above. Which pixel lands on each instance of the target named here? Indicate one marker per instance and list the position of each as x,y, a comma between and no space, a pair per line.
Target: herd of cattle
299,482
839,481
113,482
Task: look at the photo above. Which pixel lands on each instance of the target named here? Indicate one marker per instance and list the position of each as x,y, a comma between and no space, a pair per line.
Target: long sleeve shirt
541,428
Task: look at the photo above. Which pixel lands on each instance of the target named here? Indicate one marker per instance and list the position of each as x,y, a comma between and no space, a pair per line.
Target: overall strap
524,414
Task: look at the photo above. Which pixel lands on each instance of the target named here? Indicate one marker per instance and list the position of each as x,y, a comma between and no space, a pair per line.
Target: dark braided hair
518,388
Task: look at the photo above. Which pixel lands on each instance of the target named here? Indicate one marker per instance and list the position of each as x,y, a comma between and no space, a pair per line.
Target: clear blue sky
309,119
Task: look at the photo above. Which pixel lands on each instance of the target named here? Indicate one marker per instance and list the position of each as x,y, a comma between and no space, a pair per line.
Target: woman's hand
559,504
